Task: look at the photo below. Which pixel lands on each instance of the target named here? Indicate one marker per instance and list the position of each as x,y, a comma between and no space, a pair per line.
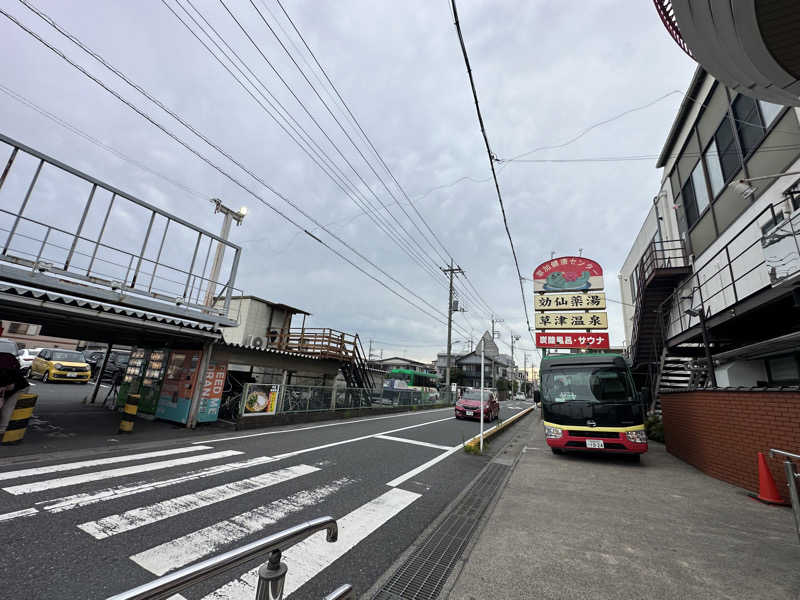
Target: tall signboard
569,304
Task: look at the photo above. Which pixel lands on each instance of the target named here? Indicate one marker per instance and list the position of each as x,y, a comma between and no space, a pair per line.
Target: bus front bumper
598,441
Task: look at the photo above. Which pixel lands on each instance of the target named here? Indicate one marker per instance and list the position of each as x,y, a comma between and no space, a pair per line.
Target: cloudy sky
545,71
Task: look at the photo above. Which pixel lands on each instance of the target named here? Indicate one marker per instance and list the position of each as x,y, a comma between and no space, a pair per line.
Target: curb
475,441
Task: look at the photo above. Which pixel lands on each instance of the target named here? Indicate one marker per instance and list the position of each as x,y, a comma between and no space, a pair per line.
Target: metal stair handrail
273,545
792,479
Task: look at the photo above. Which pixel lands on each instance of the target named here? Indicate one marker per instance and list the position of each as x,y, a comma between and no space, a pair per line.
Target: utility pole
450,272
514,338
494,320
230,216
525,371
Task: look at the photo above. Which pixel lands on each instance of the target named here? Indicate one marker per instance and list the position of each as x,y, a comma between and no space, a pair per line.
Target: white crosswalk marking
314,554
112,493
49,484
25,512
181,551
97,462
145,515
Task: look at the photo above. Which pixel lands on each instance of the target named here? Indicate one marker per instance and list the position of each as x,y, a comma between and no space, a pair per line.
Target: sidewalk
601,527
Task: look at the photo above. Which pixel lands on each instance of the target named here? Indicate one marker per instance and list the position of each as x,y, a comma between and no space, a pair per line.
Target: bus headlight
637,437
552,432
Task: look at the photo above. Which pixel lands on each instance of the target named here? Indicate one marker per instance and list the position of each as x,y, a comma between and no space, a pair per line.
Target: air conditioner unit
257,341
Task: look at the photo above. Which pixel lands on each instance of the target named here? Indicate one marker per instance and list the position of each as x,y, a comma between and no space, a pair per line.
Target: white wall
742,373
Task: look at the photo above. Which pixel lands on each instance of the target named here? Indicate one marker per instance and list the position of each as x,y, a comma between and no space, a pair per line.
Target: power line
74,129
361,129
228,175
315,121
491,162
294,126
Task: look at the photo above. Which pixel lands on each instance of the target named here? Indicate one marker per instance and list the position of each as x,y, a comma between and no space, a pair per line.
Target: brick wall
720,432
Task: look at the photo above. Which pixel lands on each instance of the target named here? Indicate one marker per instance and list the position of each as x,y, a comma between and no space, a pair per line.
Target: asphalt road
88,531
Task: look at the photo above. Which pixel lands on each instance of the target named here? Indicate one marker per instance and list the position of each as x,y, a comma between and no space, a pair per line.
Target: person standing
12,384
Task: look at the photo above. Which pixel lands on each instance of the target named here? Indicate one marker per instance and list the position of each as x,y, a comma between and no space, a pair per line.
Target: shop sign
568,274
595,301
571,320
260,399
594,340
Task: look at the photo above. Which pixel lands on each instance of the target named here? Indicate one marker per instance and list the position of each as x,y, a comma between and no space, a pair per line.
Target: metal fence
294,399
64,230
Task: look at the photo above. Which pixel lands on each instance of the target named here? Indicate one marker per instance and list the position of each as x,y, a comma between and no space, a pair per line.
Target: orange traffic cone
767,490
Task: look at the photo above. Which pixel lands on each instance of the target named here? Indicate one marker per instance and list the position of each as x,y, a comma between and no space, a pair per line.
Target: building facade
718,250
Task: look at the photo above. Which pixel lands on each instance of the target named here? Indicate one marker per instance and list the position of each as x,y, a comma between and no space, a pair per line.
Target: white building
711,246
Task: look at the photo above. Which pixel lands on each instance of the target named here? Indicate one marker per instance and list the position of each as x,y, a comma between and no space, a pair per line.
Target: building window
783,369
714,168
700,190
769,111
689,203
748,123
18,328
726,150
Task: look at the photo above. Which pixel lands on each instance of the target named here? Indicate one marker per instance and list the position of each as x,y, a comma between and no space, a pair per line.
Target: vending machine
177,388
132,379
150,388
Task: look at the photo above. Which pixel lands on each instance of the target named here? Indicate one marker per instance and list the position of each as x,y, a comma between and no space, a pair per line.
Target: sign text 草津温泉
571,320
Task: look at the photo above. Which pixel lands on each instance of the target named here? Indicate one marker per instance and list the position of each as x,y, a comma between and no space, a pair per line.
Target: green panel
716,107
773,156
703,234
729,206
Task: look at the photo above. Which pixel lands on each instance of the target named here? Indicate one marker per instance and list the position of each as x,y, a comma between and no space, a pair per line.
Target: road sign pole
483,343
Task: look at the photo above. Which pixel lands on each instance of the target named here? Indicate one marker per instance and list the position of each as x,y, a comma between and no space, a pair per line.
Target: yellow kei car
55,364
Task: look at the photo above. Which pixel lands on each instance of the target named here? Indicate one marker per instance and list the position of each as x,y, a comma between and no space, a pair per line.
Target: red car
469,406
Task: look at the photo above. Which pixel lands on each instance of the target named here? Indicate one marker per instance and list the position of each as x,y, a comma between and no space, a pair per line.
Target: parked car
56,364
118,360
8,346
25,358
469,406
519,396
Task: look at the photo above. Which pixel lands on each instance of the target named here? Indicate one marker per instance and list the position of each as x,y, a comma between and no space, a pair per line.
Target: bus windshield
595,385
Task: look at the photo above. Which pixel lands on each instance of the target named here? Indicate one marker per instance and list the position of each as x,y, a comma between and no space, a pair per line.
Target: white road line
314,554
49,484
100,461
338,423
423,467
25,512
186,549
112,493
145,515
355,439
408,441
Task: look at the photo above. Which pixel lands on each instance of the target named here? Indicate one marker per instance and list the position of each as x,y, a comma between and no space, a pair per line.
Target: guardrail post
792,482
271,578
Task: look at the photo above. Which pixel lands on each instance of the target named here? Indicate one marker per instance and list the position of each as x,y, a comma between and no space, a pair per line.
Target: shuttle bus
589,403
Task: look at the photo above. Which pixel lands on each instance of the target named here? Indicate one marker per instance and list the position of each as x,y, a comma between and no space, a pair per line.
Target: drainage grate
429,566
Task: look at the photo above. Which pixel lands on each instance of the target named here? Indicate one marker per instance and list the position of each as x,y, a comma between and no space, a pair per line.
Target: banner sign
260,399
568,274
596,301
570,320
595,340
211,394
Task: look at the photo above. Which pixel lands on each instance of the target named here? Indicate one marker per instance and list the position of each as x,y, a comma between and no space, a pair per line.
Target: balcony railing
737,270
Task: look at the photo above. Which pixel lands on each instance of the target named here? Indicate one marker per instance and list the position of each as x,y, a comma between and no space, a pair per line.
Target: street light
700,313
743,187
230,216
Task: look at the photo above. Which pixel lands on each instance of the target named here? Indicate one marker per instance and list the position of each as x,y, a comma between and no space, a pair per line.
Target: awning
779,345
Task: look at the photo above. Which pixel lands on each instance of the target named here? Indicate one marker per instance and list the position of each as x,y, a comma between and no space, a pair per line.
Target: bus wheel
556,450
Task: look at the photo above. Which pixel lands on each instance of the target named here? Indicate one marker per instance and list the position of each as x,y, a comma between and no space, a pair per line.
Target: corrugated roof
44,296
270,350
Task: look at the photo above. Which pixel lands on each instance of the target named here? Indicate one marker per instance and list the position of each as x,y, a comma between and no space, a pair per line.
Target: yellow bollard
129,413
18,425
